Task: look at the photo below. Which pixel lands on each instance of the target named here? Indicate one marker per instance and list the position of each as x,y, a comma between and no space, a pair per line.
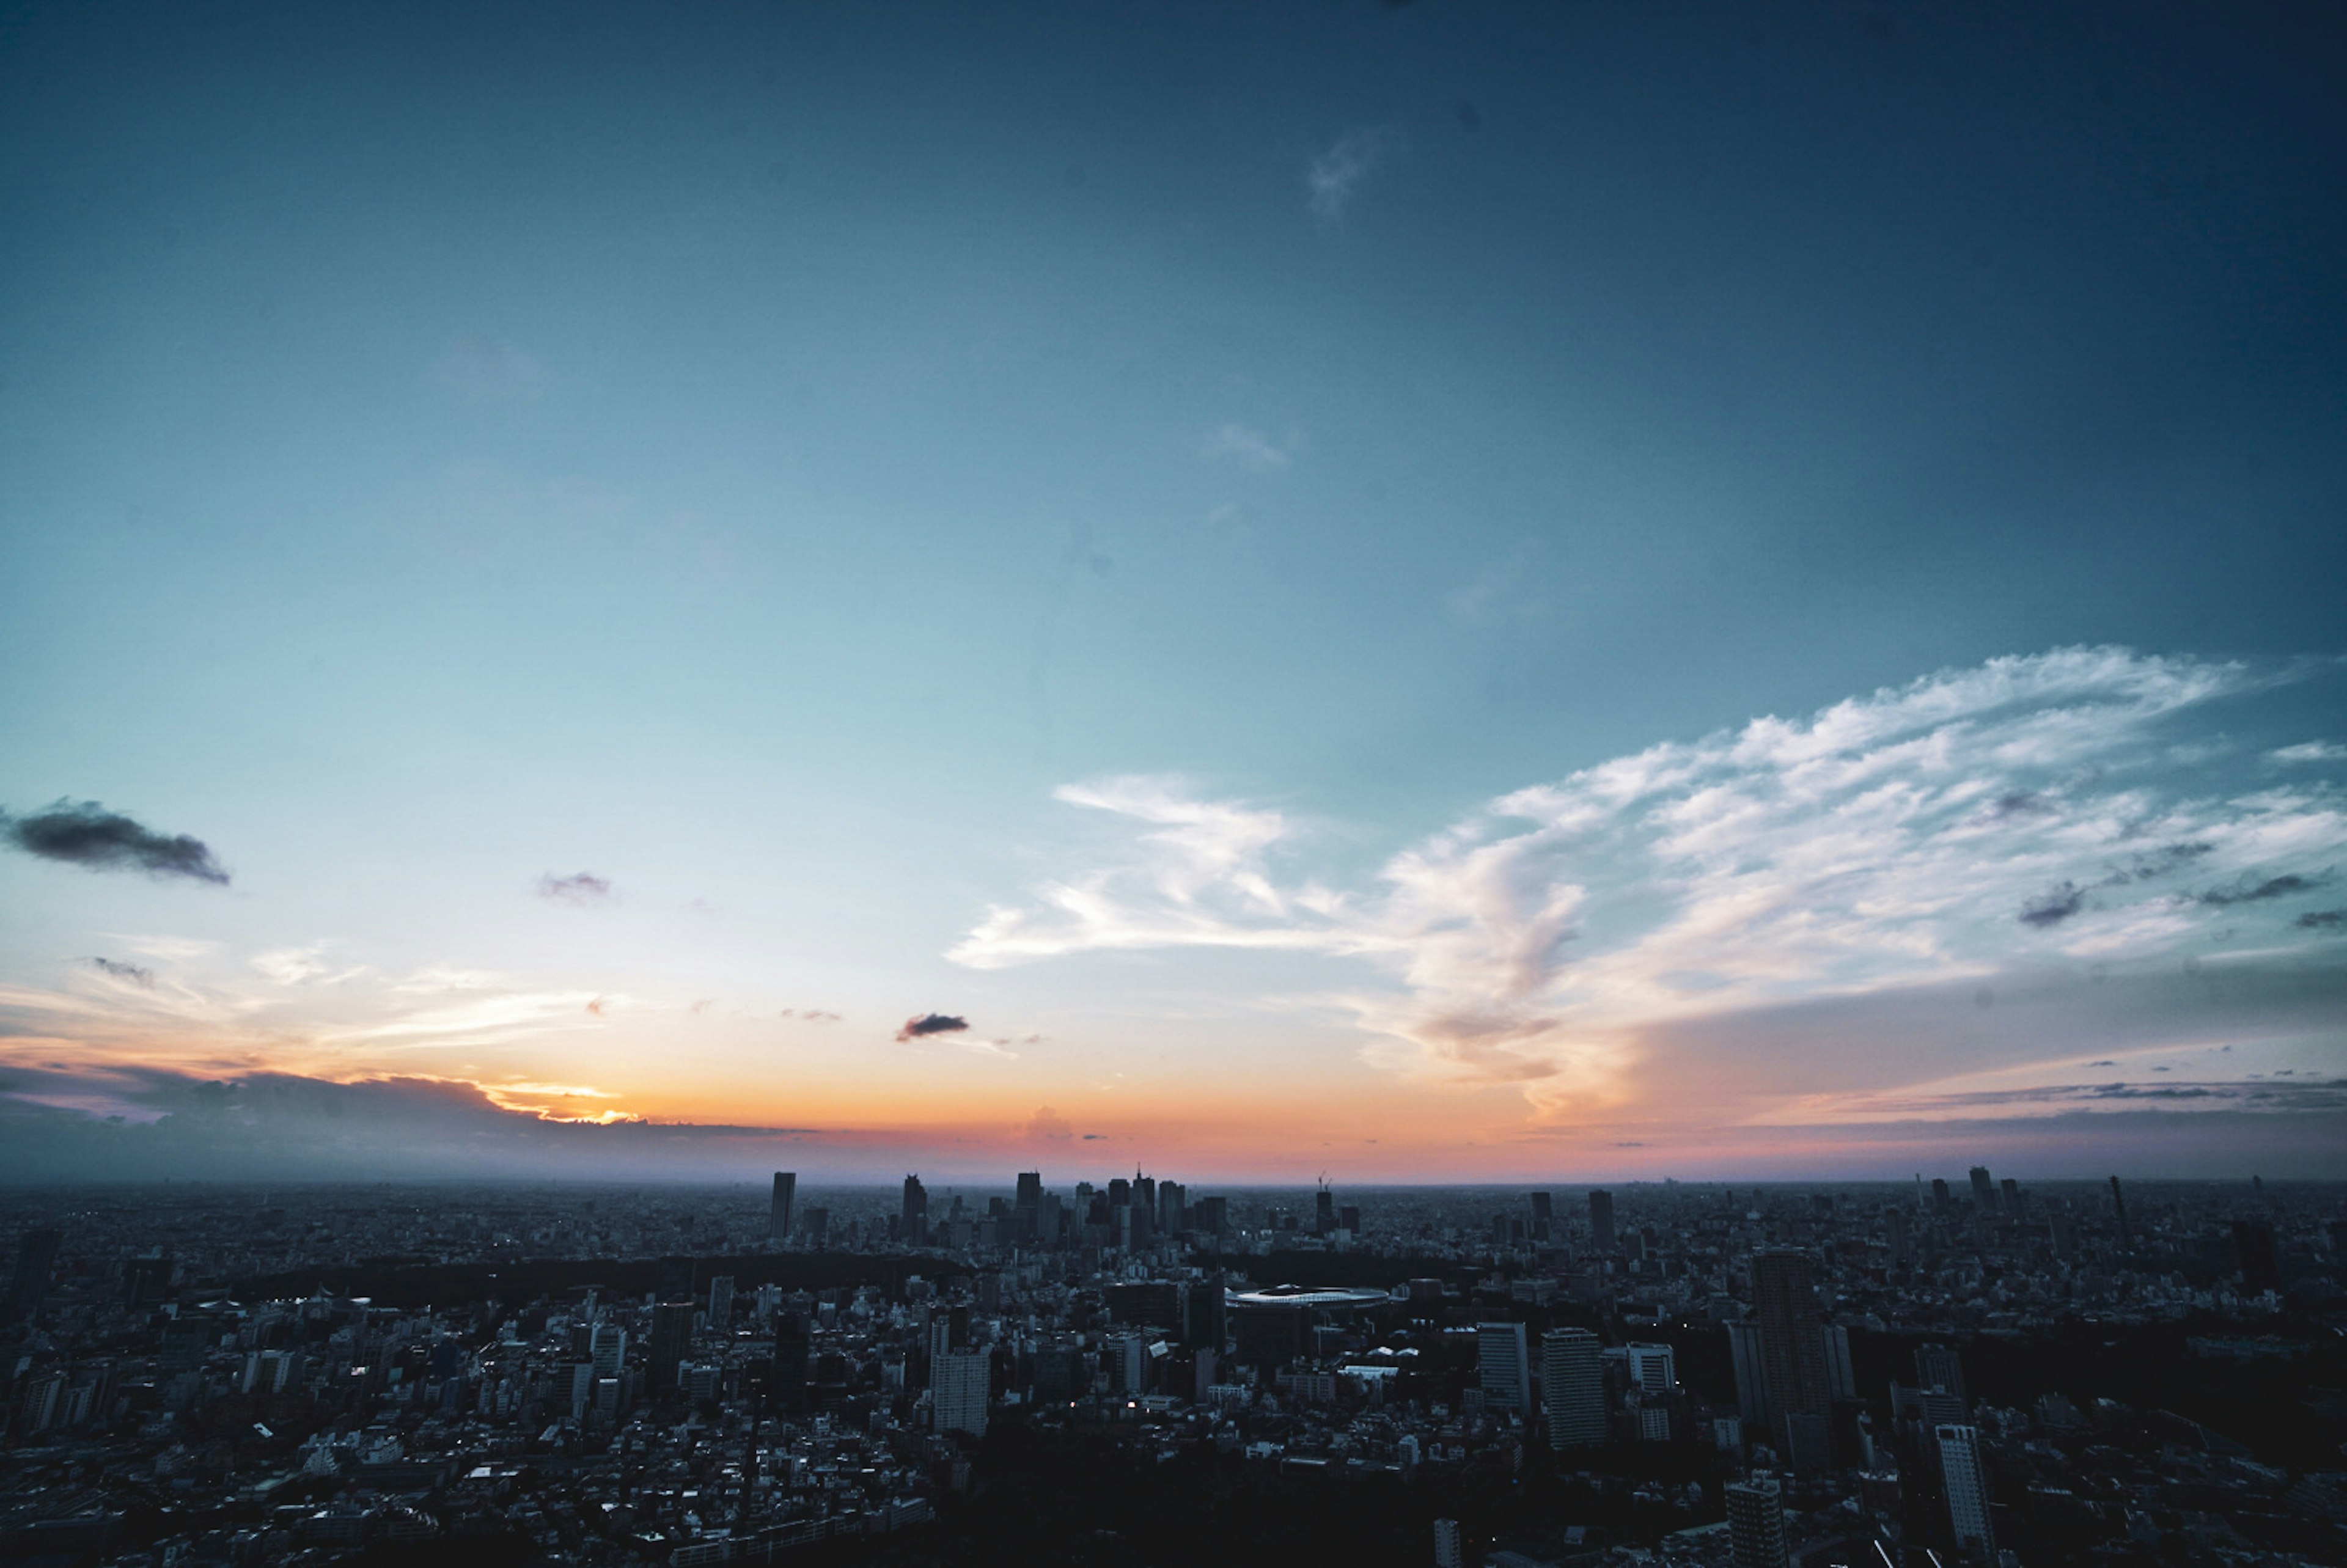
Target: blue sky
757,458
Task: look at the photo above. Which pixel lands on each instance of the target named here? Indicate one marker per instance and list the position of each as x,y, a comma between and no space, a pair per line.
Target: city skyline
1434,599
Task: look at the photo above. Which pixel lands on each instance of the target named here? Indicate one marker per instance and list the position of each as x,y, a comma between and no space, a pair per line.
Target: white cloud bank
2027,810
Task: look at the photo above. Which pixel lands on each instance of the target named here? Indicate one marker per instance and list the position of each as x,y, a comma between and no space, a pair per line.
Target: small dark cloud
2167,858
2108,1062
1094,1137
1629,1143
580,889
122,971
2249,891
2018,803
930,1023
2322,919
86,833
2054,906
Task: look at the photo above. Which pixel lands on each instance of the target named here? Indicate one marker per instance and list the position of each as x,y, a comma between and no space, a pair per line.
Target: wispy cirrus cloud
1335,177
1248,447
2025,810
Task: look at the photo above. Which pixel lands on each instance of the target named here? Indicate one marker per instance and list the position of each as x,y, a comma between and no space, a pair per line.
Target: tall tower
915,1217
957,1388
1965,1484
778,1219
1573,1386
2118,1205
1324,1210
1601,1219
1027,1208
1792,1333
1984,1190
1756,1522
1503,1364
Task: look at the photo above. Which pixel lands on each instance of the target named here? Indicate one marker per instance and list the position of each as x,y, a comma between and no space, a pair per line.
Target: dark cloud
136,975
87,834
2054,906
1629,1143
930,1023
2017,802
1094,1137
2249,891
2322,919
2164,860
582,888
599,1006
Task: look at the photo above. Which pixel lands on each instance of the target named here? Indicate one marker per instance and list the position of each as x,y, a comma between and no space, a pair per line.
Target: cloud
2310,751
811,1015
2252,890
486,370
2321,920
1877,845
929,1023
1047,1126
120,970
87,834
1333,178
581,890
597,1007
2054,906
702,1005
1248,448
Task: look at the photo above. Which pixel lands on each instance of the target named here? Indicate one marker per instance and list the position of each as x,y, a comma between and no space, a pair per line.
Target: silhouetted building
778,1218
1601,1220
2261,1265
915,1216
1939,1367
672,1341
1204,1315
1751,1376
1792,1339
2118,1209
36,1255
1984,1190
1544,1216
794,1347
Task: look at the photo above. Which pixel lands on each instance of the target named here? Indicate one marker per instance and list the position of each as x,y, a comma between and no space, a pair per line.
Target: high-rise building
1573,1386
2253,1240
958,1391
1984,1190
1939,1367
1965,1484
778,1219
1756,1522
720,1302
672,1341
1027,1208
1324,1211
1172,1208
1503,1367
793,1346
2118,1207
915,1214
1601,1219
1205,1315
607,1347
1841,1373
1654,1368
1751,1376
1544,1216
814,1224
1212,1216
2009,1192
1792,1339
36,1255
1449,1544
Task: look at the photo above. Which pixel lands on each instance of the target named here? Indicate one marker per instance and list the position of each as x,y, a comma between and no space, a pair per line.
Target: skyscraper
1601,1219
1503,1367
1939,1367
1756,1522
1324,1211
671,1340
2118,1207
1965,1484
1751,1377
778,1219
1573,1386
1654,1368
1984,1190
1027,1207
1792,1340
915,1214
1544,1216
36,1255
958,1391
793,1347
2253,1241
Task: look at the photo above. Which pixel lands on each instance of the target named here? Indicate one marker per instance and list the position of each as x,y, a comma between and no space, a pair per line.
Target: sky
1424,593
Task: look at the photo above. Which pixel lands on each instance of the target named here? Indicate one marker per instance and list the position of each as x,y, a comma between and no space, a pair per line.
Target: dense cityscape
1131,1371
